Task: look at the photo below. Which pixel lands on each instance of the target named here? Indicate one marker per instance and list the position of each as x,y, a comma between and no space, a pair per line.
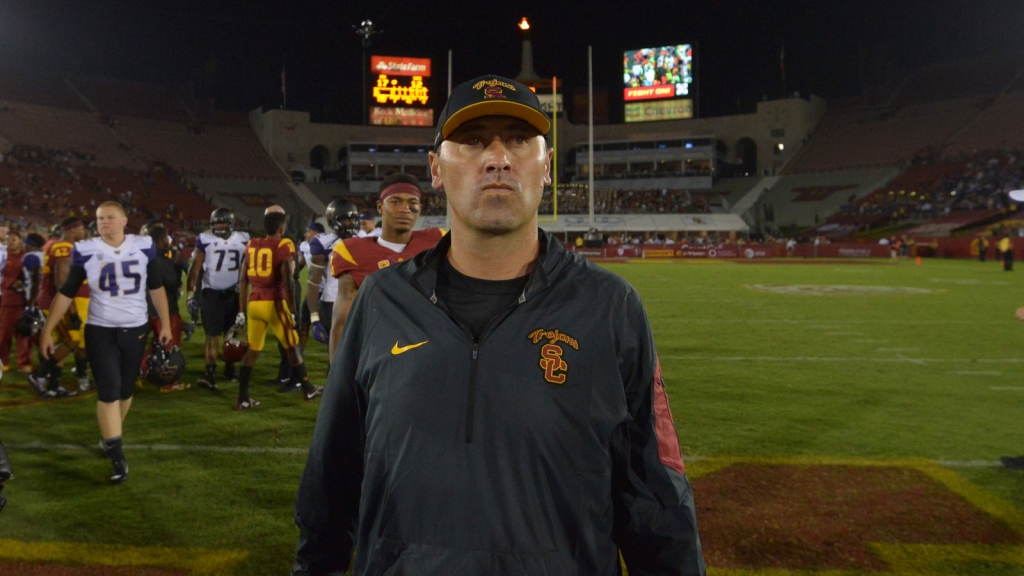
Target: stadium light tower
365,30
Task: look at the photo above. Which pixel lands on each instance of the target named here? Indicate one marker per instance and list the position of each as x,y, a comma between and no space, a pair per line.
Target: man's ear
434,158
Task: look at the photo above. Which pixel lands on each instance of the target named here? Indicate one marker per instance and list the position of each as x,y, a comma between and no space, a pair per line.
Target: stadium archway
746,154
319,157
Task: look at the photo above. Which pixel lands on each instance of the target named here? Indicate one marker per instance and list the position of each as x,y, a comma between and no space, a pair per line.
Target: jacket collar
427,264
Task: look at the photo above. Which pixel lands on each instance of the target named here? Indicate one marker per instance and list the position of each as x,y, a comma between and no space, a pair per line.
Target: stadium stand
809,199
61,129
120,133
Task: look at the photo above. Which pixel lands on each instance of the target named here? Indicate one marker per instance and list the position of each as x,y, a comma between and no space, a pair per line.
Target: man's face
4,229
493,170
367,225
110,220
222,230
310,234
399,212
75,234
14,242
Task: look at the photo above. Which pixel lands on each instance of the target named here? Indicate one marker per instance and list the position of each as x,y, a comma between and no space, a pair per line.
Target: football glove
193,306
240,319
320,333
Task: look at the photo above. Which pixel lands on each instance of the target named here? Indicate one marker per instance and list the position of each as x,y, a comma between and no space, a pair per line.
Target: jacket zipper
471,400
471,404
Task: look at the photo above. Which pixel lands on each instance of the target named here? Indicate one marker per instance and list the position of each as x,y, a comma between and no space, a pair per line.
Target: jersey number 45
114,283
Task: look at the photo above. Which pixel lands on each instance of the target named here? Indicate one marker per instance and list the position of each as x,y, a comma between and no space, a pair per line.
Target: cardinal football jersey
361,257
223,259
117,279
265,256
52,252
321,245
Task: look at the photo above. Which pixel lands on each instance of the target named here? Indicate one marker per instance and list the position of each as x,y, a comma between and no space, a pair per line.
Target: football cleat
38,384
317,391
289,386
207,383
60,392
174,387
120,472
247,405
84,384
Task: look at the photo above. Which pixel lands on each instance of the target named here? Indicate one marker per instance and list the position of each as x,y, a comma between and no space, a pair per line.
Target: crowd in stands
978,181
575,200
38,184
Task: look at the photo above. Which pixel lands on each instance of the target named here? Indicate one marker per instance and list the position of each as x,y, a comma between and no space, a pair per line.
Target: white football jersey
375,233
304,250
117,279
3,256
323,244
223,259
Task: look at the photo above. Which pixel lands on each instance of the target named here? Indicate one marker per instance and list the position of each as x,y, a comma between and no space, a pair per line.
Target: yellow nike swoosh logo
396,349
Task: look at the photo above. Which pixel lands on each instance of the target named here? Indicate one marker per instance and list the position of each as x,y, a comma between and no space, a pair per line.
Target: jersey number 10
110,280
260,262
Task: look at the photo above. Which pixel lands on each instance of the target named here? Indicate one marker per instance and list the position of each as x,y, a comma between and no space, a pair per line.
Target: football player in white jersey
343,221
305,258
118,268
218,256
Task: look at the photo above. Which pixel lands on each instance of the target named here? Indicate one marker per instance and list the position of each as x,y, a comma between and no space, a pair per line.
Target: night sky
233,51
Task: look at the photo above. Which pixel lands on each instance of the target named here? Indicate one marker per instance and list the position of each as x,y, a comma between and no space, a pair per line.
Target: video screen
654,73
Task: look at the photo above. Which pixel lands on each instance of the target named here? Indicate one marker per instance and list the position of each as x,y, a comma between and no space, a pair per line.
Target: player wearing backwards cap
56,265
19,287
121,269
368,225
355,258
496,404
343,220
218,255
269,264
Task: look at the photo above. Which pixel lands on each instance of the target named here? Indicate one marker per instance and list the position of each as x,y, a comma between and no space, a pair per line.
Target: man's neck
114,240
493,257
395,237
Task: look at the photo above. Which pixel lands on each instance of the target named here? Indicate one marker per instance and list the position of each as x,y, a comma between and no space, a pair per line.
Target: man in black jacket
495,405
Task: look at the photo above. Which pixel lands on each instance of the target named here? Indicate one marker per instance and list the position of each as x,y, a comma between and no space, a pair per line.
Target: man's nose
497,156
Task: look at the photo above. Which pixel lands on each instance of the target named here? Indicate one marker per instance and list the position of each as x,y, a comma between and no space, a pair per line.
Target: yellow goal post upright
554,147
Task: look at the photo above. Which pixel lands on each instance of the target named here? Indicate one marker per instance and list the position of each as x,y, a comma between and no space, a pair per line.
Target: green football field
819,361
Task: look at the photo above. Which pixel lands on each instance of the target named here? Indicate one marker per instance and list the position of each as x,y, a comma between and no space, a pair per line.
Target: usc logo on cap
493,92
492,83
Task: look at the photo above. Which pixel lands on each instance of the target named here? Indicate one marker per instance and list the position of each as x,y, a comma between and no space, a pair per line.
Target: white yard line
852,359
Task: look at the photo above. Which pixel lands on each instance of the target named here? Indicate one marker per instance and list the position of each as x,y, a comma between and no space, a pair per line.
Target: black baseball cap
490,96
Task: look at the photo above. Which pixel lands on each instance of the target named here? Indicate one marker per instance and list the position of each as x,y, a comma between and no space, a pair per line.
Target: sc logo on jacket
551,361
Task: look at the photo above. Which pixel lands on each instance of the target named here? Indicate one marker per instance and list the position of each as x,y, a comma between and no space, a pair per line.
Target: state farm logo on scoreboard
400,66
400,80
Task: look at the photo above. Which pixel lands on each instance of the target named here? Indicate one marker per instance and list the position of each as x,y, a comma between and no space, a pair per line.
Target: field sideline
771,365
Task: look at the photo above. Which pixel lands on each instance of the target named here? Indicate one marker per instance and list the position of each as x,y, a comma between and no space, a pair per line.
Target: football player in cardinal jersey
269,266
355,258
121,269
56,265
218,256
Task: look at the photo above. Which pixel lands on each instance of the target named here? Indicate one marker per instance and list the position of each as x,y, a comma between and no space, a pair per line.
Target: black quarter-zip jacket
546,447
